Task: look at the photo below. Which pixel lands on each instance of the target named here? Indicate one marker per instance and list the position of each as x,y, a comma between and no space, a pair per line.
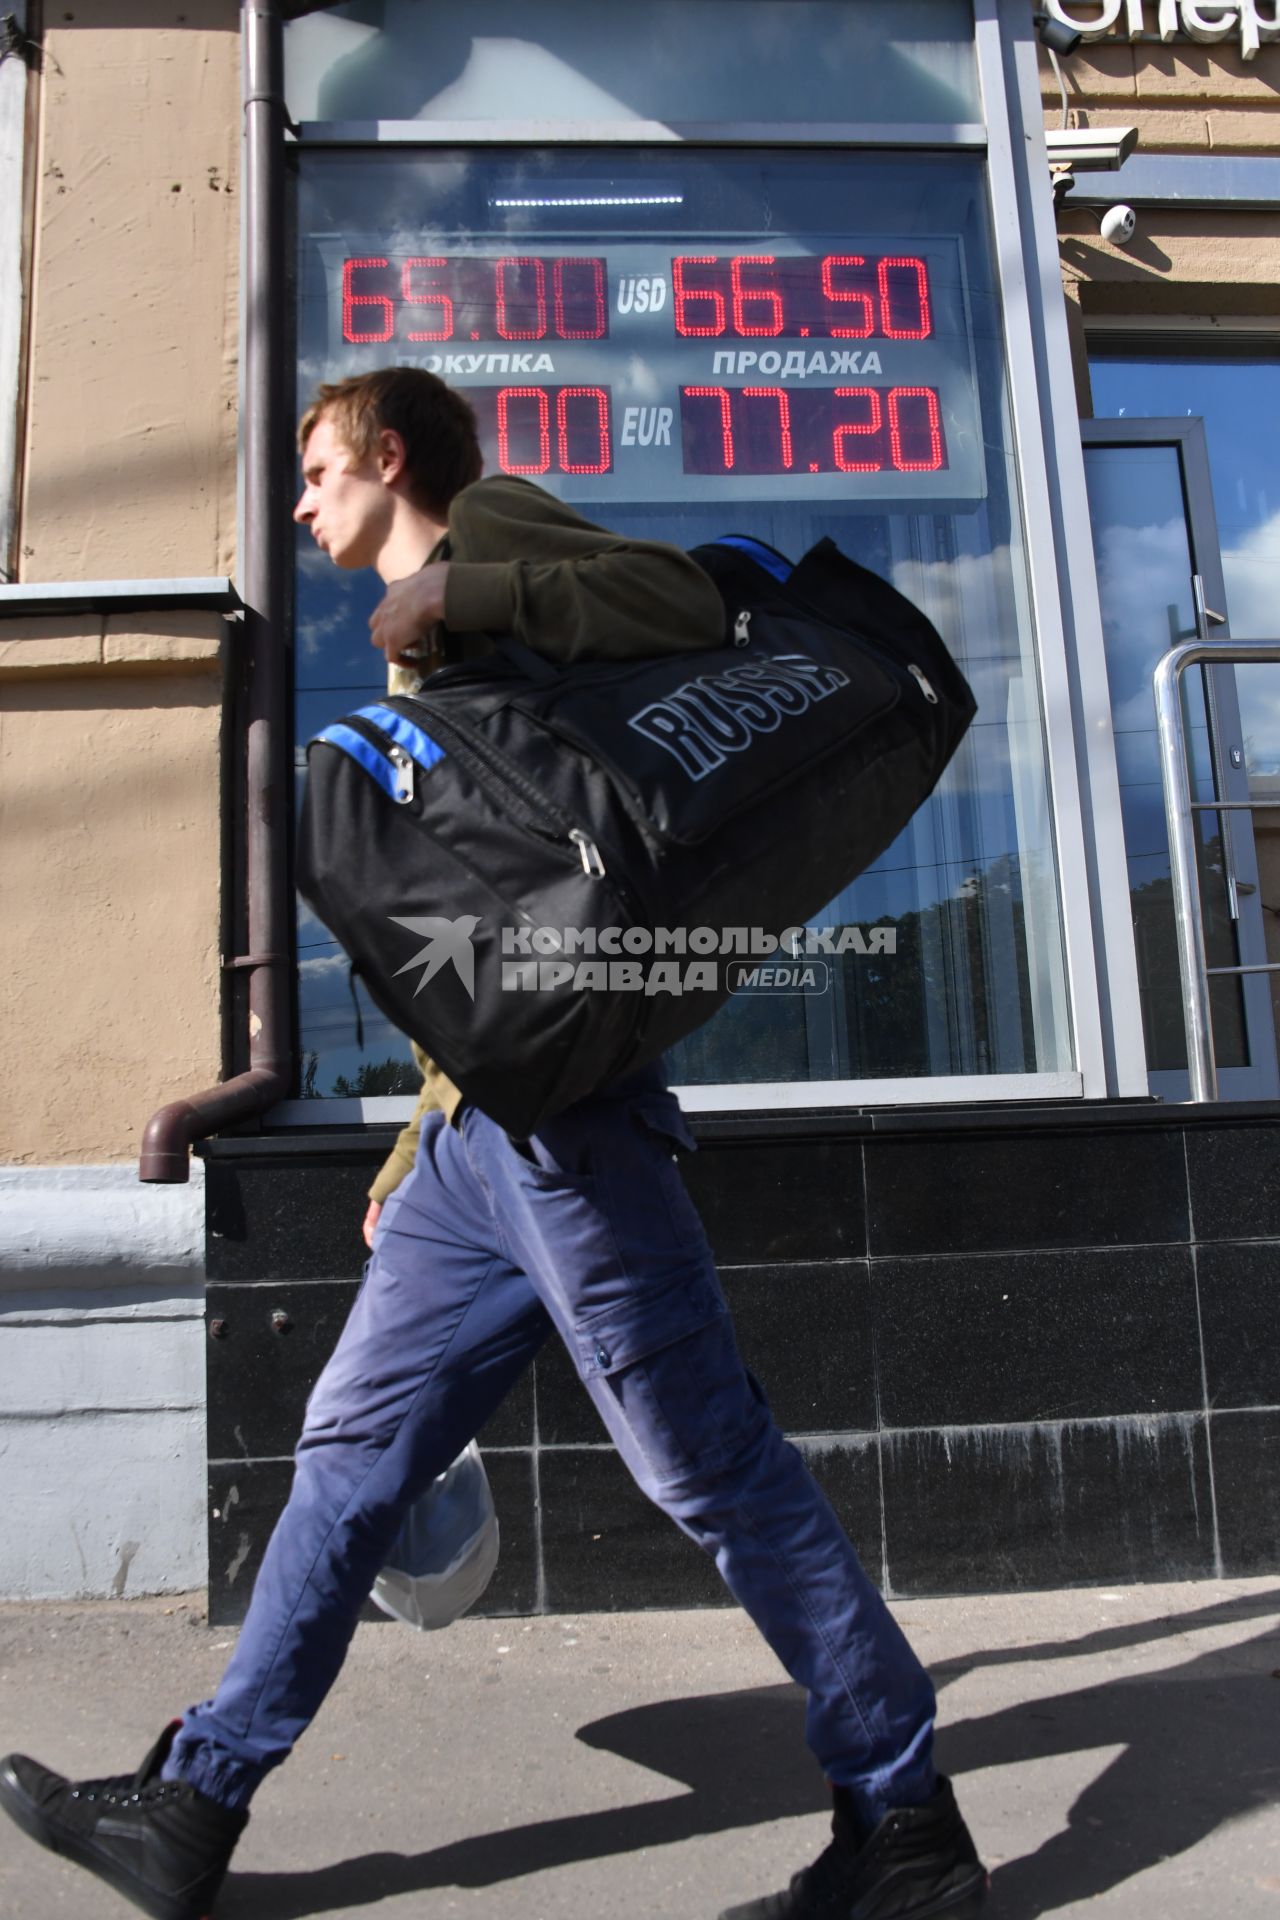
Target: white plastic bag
446,1551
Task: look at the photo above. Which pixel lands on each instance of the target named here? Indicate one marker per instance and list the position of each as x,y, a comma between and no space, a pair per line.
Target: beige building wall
110,773
109,724
109,843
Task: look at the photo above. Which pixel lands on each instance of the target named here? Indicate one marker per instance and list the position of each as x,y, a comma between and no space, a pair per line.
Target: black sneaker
918,1862
160,1842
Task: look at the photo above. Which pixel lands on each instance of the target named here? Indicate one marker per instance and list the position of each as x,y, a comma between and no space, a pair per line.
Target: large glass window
685,344
570,62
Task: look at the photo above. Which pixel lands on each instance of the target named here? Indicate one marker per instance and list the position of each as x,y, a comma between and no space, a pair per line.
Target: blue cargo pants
484,1248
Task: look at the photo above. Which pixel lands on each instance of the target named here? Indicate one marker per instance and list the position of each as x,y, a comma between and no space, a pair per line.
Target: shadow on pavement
1199,1749
741,1758
1114,1639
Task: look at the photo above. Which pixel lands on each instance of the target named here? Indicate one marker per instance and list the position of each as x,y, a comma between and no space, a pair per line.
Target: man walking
487,1245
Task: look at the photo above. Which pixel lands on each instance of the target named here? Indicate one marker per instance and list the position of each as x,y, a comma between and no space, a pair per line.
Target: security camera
1119,224
1056,35
1091,149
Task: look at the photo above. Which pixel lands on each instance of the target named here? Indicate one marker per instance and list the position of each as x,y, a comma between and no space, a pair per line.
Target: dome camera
1119,224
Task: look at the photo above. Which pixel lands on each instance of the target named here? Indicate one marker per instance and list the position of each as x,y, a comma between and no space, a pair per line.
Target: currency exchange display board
672,366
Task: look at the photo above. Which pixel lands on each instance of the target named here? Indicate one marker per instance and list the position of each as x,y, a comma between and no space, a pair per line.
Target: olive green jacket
521,562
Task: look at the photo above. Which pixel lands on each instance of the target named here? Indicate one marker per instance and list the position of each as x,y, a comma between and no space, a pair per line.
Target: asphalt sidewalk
1115,1749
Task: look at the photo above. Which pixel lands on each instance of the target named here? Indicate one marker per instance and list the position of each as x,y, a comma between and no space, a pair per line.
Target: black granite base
1018,1349
986,1509
1246,1478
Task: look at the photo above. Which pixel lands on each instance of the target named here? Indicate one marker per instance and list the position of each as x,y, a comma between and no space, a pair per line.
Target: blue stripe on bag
374,763
775,563
417,744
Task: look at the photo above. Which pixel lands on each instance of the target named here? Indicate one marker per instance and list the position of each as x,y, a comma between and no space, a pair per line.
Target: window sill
369,1143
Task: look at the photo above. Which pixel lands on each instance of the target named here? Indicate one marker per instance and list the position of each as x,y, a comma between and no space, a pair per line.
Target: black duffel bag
515,857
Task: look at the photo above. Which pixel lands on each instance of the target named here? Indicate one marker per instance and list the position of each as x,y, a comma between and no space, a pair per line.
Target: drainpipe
170,1132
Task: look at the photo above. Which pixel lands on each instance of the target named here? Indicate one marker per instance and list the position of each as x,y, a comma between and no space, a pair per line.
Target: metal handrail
1180,811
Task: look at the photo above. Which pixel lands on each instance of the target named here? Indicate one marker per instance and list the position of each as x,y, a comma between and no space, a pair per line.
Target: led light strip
648,200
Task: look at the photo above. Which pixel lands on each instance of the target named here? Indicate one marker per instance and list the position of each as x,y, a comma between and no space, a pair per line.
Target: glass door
1160,582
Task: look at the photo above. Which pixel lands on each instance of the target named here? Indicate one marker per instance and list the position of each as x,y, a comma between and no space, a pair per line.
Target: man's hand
371,1219
402,621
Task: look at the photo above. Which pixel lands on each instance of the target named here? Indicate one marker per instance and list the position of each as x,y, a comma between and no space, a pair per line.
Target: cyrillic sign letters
1251,22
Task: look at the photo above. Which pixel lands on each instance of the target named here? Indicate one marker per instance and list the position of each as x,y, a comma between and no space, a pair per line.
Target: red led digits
685,297
427,298
351,300
868,296
784,417
915,301
519,299
726,420
849,294
539,395
748,296
900,460
854,429
582,442
600,429
757,297
592,301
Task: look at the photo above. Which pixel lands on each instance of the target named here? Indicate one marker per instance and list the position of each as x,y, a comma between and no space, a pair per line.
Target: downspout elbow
173,1130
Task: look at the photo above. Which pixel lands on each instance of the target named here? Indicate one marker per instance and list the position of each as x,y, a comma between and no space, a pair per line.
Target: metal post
1180,812
267,473
1188,917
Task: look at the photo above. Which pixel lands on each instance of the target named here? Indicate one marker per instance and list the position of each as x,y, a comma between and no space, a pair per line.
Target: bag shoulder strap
531,664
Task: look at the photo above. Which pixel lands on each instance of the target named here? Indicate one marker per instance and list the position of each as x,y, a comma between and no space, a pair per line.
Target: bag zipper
891,660
404,766
546,819
500,765
592,864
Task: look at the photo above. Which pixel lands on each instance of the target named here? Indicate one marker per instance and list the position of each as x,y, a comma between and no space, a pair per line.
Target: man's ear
392,456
